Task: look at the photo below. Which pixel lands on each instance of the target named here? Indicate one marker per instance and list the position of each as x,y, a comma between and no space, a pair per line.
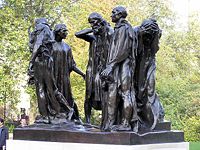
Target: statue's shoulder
124,26
66,46
129,30
136,29
40,27
110,30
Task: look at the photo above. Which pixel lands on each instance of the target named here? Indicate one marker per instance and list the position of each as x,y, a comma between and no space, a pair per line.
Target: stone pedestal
80,134
120,138
38,145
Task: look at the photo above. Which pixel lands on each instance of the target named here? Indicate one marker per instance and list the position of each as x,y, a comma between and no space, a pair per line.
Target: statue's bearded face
63,33
95,24
116,15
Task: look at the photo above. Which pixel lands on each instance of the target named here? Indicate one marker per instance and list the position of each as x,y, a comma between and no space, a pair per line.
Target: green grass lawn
194,145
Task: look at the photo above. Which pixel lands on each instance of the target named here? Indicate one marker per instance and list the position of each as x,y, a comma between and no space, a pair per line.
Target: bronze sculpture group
120,75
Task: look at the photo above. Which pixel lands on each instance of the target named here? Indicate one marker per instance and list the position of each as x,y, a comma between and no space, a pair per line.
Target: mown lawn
194,145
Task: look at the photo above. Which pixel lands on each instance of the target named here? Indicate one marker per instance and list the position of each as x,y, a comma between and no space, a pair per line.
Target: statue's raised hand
107,71
106,74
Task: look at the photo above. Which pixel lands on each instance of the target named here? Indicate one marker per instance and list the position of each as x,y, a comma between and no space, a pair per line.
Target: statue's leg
40,88
125,76
76,113
112,105
104,95
88,95
41,97
134,117
87,109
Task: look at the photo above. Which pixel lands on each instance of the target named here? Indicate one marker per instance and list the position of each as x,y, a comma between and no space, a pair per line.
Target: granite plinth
81,134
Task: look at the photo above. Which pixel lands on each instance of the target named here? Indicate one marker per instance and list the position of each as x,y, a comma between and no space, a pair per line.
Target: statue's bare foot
121,128
42,119
70,114
78,121
135,126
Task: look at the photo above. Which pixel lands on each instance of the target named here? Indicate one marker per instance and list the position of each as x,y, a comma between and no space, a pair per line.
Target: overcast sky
185,8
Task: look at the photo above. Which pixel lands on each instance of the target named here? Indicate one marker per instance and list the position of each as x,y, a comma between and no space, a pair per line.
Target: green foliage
178,78
33,103
178,60
10,127
192,129
9,95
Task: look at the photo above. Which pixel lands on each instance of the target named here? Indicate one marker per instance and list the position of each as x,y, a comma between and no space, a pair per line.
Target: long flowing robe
98,53
63,65
43,72
148,102
122,57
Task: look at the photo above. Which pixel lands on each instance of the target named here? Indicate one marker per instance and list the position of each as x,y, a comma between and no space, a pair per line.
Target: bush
192,129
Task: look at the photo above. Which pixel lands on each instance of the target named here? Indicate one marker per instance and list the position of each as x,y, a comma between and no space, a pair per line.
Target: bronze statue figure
99,36
63,65
122,111
120,76
149,106
120,81
41,69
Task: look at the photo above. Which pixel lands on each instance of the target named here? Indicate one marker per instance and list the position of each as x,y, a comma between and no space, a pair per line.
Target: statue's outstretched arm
85,35
78,71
